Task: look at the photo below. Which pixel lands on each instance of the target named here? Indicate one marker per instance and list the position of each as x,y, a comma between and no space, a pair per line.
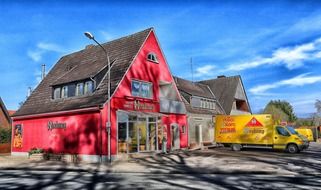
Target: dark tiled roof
82,65
188,88
192,88
224,89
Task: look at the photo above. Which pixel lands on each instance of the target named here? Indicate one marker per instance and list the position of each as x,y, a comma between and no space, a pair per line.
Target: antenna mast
192,69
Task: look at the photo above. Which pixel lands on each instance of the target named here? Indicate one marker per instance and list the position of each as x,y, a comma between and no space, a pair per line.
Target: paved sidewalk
176,163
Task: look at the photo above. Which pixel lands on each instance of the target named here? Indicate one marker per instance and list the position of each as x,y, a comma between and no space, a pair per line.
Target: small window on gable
152,57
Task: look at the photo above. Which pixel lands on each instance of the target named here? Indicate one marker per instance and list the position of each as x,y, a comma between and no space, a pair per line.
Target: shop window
152,57
142,89
88,87
57,93
80,89
151,119
64,92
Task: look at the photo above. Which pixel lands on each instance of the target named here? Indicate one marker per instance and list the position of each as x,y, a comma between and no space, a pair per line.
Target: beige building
206,99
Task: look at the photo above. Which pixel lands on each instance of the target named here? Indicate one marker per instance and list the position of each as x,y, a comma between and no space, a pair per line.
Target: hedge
5,135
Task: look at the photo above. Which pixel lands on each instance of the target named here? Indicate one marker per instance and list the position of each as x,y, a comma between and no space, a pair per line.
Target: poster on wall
17,140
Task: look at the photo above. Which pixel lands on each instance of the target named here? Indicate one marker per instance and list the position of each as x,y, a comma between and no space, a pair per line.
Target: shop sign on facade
137,105
56,125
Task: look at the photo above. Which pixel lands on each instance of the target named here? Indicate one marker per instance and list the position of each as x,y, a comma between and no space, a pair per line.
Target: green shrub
35,151
5,135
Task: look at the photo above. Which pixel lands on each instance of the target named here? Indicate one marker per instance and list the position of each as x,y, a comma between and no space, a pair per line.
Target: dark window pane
135,88
71,90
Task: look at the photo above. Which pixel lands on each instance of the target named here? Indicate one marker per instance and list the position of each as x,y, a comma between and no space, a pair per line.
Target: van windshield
291,129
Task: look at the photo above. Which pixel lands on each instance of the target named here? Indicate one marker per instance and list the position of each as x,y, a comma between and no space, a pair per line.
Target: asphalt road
283,171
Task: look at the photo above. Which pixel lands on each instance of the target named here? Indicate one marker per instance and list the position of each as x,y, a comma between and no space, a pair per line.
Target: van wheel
293,148
236,147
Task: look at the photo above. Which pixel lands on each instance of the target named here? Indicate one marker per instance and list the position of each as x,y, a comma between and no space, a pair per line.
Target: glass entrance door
122,136
132,138
137,133
152,144
142,133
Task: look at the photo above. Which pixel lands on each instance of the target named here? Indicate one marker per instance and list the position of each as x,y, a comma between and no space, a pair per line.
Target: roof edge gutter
90,109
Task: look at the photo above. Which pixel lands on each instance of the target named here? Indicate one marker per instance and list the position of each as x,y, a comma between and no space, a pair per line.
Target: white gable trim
133,60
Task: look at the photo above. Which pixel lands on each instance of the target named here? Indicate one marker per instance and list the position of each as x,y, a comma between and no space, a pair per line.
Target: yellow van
306,132
257,131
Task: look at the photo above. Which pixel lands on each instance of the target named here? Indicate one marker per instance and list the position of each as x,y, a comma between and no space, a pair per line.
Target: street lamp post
108,123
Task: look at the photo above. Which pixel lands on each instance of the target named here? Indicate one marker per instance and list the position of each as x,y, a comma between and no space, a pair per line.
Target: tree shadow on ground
175,171
305,169
35,176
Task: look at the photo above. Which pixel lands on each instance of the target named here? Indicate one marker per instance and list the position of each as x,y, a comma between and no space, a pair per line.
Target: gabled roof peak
84,64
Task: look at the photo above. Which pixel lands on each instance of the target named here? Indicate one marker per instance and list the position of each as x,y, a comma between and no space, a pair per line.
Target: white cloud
291,57
205,70
307,24
318,54
49,47
42,48
299,80
35,55
303,102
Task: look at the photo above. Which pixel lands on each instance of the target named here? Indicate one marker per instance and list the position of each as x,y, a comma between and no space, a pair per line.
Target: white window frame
64,92
86,87
78,92
140,88
59,93
153,57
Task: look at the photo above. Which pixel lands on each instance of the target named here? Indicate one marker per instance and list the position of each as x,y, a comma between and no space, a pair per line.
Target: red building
67,112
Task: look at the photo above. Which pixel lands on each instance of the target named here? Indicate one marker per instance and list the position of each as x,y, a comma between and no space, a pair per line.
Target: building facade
67,112
202,107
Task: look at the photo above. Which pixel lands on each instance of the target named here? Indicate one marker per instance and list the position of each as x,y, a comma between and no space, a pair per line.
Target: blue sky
274,45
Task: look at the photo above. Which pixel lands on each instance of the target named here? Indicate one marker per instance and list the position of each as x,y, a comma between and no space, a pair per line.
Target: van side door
280,138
